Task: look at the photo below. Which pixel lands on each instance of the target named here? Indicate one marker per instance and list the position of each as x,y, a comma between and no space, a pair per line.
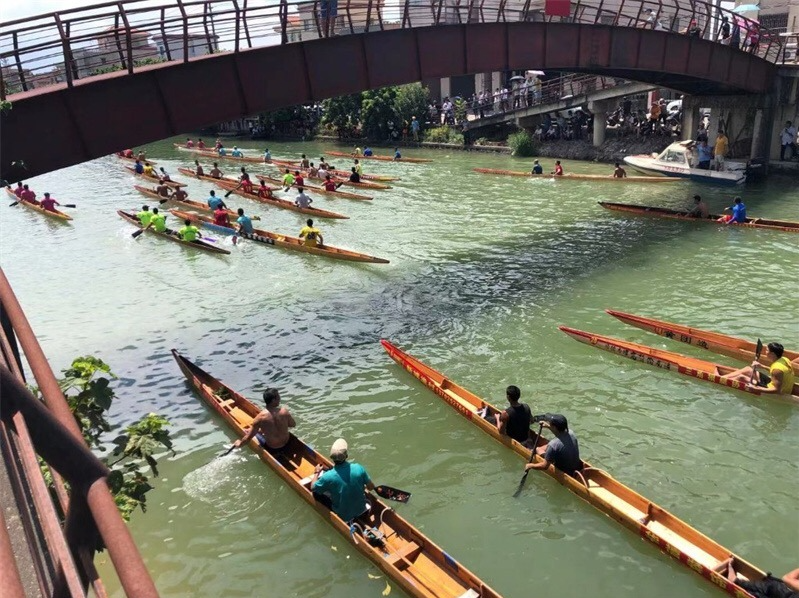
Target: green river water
483,270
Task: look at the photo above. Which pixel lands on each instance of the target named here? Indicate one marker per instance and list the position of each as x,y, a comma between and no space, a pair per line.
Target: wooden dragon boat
380,158
781,225
342,173
675,362
186,203
205,177
283,204
413,561
133,159
315,188
172,184
57,214
211,153
283,241
731,346
652,522
338,178
577,177
172,235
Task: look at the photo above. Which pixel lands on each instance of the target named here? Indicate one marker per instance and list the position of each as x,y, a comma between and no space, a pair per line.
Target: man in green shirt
158,221
189,232
144,216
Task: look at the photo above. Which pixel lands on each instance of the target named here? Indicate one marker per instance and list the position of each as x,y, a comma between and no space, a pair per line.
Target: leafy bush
522,144
443,134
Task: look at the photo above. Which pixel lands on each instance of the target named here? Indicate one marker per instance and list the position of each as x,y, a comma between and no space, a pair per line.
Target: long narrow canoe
133,159
57,214
343,179
172,184
186,203
381,158
652,522
675,362
402,552
315,188
283,204
731,346
369,177
173,235
214,154
284,241
782,225
578,177
204,177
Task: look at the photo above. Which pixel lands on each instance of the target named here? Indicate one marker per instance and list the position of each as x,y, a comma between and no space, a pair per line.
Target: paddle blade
162,201
138,233
390,493
13,204
228,193
759,348
520,487
68,205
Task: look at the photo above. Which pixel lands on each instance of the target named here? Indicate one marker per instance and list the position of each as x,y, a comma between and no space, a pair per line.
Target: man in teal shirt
344,484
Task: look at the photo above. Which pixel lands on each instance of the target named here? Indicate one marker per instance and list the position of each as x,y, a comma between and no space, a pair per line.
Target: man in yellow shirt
780,378
158,221
149,170
144,216
720,150
312,236
189,232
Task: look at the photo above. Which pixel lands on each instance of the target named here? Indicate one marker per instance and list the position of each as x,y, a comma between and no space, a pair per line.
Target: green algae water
483,270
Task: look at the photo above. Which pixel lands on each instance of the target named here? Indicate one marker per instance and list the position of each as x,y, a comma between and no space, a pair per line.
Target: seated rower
345,485
738,210
700,208
367,151
357,152
244,223
264,191
330,184
312,236
244,181
236,153
145,215
768,587
313,171
164,175
217,144
141,156
304,162
178,194
200,144
779,380
215,172
299,180
354,177
537,168
302,200
562,451
158,221
619,173
189,232
397,154
198,170
138,168
221,217
221,151
267,155
271,426
215,202
163,189
48,203
28,195
149,171
322,173
189,143
515,420
18,190
323,163
358,168
128,153
558,169
288,180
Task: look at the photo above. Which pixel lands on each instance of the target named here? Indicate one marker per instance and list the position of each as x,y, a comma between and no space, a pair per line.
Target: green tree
378,115
343,113
89,395
412,100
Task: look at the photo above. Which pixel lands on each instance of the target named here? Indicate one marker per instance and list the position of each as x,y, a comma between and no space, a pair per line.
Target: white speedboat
678,160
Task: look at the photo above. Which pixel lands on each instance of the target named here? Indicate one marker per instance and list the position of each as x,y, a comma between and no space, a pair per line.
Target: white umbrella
745,8
537,73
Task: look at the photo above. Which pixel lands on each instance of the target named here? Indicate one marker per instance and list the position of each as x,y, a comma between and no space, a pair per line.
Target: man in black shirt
515,420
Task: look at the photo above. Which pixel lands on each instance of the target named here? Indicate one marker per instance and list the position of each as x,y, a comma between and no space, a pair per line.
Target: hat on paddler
559,421
338,452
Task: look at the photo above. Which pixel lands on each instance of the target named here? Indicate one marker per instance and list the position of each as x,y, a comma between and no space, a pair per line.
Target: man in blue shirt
244,222
215,202
236,153
344,484
397,154
415,128
704,156
222,151
138,167
367,151
738,212
267,155
537,168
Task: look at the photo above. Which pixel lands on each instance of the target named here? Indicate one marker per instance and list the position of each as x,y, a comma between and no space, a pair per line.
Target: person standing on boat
700,209
271,426
562,451
738,210
704,156
558,169
244,223
344,485
720,150
537,168
312,235
779,380
619,173
48,203
768,587
215,202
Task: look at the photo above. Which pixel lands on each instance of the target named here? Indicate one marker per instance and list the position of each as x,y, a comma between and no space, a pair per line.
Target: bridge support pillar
690,117
600,109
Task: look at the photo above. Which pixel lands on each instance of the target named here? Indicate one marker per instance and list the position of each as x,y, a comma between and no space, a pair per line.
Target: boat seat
410,550
683,545
306,480
617,503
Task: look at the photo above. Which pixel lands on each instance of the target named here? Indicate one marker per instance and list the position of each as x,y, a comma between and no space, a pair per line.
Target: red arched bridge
86,82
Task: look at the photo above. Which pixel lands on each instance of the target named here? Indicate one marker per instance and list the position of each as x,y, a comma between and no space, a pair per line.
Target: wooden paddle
758,351
532,458
395,494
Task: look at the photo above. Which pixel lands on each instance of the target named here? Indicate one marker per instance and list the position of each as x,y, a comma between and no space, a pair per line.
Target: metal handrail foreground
48,429
70,45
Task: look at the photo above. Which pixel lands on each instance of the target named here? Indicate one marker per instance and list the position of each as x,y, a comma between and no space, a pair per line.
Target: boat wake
218,483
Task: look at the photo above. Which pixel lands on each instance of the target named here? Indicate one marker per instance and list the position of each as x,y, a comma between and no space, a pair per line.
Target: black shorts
275,452
763,380
768,587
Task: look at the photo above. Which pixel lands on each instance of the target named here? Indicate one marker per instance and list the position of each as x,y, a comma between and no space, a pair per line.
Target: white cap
338,452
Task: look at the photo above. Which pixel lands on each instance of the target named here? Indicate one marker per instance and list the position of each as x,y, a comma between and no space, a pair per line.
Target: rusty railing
70,45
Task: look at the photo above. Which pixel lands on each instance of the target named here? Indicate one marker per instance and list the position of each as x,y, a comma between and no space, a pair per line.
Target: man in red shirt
28,195
48,203
18,191
330,184
200,144
221,217
298,180
264,191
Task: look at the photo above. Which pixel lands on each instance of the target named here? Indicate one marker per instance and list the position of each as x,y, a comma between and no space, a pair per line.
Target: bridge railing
76,44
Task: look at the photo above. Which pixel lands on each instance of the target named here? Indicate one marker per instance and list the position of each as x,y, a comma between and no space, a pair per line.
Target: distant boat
677,161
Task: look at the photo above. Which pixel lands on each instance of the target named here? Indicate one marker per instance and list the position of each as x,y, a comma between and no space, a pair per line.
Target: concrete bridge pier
600,109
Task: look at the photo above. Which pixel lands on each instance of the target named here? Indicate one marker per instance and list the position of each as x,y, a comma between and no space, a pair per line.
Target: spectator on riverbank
788,140
720,150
